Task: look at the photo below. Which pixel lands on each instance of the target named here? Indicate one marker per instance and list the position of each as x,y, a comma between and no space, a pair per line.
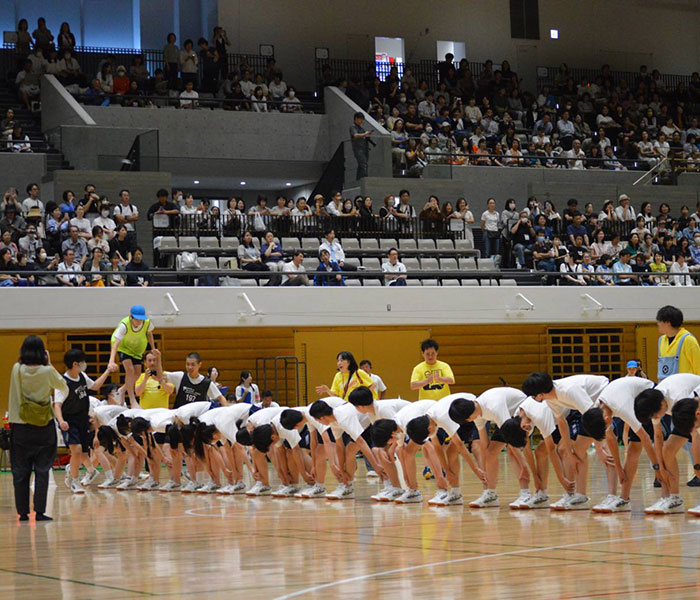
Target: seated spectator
116,265
82,223
272,253
247,86
575,156
633,245
543,253
6,242
577,228
98,241
7,264
249,258
68,205
329,272
600,246
335,250
277,88
13,222
137,264
121,244
96,264
105,221
669,250
164,206
259,100
301,209
138,71
31,204
95,95
610,161
623,270
680,273
70,270
18,141
658,266
30,244
604,271
566,131
294,273
27,84
189,98
106,78
75,243
290,102
577,249
522,235
42,263
572,272
641,268
121,82
394,269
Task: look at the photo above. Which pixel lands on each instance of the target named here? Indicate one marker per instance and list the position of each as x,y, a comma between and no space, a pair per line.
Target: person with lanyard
678,352
72,408
348,377
32,428
130,339
192,386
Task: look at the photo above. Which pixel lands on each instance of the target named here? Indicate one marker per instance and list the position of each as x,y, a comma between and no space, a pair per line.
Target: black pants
32,449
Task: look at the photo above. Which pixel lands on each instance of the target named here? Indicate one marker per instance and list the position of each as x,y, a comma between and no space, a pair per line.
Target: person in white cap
130,340
625,212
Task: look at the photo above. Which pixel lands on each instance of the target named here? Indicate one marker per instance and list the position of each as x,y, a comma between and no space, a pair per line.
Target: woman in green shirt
32,428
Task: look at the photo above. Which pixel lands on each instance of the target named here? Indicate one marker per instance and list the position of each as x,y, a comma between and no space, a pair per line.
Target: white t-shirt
349,421
399,267
498,405
577,392
291,436
160,421
176,378
290,267
209,417
83,224
312,423
541,416
387,409
678,386
490,220
105,413
60,395
619,397
412,411
107,224
229,419
264,416
192,409
440,412
126,211
254,394
120,331
380,386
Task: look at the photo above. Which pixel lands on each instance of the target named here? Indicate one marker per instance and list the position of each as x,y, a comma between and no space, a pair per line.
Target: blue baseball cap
633,364
138,312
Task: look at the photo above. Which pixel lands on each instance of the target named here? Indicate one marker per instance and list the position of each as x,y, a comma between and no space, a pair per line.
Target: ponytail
108,438
203,434
123,424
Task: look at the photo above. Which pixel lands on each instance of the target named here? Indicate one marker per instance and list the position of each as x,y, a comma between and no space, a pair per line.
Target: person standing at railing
171,58
359,139
221,43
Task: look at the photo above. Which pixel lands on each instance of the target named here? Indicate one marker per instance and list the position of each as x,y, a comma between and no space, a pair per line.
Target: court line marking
323,586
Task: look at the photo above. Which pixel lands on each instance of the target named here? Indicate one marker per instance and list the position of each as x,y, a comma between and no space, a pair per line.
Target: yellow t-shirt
154,396
689,360
432,391
359,378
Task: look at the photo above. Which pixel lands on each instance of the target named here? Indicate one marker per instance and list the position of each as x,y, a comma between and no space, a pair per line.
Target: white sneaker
521,500
286,491
67,479
170,486
655,508
144,475
253,491
620,505
537,500
76,488
108,483
190,488
605,503
89,478
437,499
694,511
380,494
280,491
337,493
578,502
488,499
225,489
148,485
561,503
128,483
452,498
263,490
410,497
372,474
314,491
209,488
673,505
237,488
392,494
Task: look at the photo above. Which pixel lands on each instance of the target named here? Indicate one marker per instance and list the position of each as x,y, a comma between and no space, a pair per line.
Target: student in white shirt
570,398
351,432
439,423
321,445
618,400
395,270
517,431
651,406
260,470
380,386
103,414
496,405
363,401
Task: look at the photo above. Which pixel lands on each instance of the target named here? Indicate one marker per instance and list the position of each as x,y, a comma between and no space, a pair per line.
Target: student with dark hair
679,351
432,377
72,409
495,405
103,415
32,428
179,432
246,390
348,377
192,386
366,366
569,398
351,430
656,405
618,400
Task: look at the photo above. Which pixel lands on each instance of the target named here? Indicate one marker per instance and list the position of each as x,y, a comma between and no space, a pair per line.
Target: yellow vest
134,343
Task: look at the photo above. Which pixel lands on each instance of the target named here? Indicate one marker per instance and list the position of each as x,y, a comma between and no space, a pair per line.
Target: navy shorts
467,432
319,439
135,361
78,432
649,428
160,438
366,435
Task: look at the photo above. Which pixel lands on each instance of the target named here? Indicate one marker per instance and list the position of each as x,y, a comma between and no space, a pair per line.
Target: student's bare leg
318,457
389,467
261,466
523,474
407,456
131,374
581,446
350,460
542,464
76,459
453,466
671,448
634,451
491,465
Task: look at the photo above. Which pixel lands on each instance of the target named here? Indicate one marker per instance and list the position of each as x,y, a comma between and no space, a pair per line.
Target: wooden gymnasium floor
128,545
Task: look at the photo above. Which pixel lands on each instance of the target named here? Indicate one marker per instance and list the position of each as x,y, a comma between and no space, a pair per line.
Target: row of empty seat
484,282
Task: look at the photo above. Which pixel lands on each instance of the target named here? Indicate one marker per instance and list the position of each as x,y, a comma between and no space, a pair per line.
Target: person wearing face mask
30,244
105,220
290,102
402,104
72,408
522,235
43,263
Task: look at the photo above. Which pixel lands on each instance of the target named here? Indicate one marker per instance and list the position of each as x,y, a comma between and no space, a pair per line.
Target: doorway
388,53
458,49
